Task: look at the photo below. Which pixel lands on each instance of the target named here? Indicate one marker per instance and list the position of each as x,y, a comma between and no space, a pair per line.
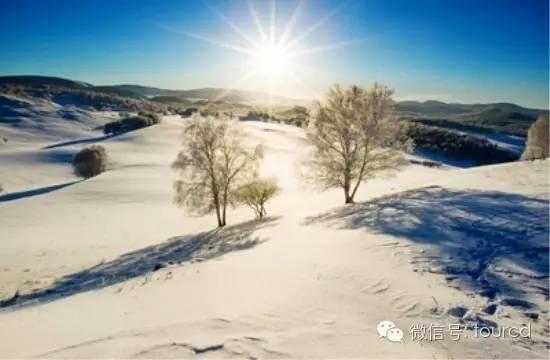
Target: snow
26,121
111,268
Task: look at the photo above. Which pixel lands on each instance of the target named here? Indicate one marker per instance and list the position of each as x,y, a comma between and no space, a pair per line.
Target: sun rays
271,60
271,54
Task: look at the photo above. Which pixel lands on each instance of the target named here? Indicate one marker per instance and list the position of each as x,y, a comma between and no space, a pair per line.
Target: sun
271,60
272,54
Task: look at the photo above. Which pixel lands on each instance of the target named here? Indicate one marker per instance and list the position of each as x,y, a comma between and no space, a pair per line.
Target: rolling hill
502,117
41,81
148,92
113,257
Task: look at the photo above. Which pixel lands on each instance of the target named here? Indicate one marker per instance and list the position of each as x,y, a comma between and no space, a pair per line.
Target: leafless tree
212,164
257,193
537,139
353,137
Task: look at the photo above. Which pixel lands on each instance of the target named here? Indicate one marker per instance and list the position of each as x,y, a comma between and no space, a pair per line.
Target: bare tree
353,136
212,164
257,193
537,139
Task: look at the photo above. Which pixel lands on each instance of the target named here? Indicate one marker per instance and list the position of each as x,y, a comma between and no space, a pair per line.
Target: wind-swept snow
110,268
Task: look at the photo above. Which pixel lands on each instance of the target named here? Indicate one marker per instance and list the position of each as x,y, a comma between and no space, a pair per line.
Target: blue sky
461,51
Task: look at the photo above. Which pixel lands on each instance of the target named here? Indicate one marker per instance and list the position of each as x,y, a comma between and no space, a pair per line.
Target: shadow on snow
81,141
176,250
34,192
490,242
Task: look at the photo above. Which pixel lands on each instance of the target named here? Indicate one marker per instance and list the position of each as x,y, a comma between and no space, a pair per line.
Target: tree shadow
490,242
174,251
81,141
35,192
57,156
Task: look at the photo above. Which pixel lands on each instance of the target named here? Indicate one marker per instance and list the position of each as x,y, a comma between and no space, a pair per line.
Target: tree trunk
360,177
348,197
218,215
222,223
347,184
224,207
216,195
221,219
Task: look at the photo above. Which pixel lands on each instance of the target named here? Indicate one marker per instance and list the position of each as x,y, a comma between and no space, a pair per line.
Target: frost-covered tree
213,163
352,137
257,193
537,139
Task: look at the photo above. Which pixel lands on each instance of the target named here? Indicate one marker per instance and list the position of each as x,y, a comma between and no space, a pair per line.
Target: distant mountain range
153,93
500,116
503,117
433,108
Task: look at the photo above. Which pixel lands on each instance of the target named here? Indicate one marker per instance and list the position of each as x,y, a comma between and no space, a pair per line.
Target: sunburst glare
271,60
271,53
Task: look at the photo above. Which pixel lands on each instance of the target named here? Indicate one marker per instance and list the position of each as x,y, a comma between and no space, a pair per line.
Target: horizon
279,95
461,52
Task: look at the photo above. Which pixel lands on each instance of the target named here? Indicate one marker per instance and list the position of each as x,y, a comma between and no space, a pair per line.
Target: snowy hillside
110,268
25,119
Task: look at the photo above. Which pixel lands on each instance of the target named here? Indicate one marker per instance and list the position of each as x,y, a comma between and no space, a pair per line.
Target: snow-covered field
110,268
33,121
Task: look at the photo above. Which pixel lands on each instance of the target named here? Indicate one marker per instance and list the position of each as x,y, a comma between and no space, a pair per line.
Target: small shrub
90,161
259,114
257,193
153,117
112,127
136,122
131,123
